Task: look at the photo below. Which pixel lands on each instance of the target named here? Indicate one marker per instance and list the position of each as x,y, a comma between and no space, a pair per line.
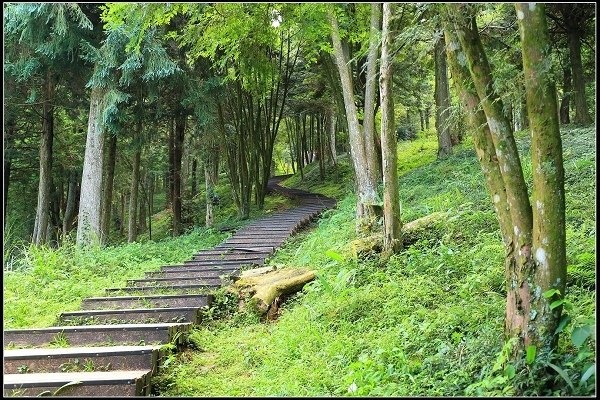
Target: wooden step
98,384
229,257
161,289
197,274
71,359
177,300
122,334
132,315
203,267
173,281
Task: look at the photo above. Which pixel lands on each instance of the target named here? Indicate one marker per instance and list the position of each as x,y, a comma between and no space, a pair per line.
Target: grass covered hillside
428,322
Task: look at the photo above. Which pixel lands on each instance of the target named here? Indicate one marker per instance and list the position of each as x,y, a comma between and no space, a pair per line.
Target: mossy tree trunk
519,263
392,237
548,177
482,139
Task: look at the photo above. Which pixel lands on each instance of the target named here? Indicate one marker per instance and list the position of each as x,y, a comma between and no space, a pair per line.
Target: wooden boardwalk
113,345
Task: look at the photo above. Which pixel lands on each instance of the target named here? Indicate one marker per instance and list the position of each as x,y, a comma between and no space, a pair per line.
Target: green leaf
563,375
564,321
556,303
549,293
590,371
334,255
509,371
531,350
580,334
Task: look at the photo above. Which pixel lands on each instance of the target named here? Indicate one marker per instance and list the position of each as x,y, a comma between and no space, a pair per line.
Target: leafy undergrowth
428,322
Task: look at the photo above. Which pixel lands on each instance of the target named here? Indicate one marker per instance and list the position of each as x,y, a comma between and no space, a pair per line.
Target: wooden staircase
113,346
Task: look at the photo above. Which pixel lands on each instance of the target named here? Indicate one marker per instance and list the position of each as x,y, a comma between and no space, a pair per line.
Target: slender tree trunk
177,153
366,210
6,182
194,183
442,101
482,139
566,103
422,118
332,131
209,196
171,172
582,115
548,179
143,202
108,188
133,196
43,202
69,215
427,116
88,228
392,236
371,94
122,224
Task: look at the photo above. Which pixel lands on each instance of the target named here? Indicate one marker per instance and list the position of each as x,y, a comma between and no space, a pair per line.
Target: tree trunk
209,196
392,235
108,188
422,118
582,115
43,201
88,228
427,116
177,153
133,196
143,202
366,210
122,224
548,180
332,131
442,101
371,94
482,139
69,215
566,103
194,183
519,263
6,182
171,172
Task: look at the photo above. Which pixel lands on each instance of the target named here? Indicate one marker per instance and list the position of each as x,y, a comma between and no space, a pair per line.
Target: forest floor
426,322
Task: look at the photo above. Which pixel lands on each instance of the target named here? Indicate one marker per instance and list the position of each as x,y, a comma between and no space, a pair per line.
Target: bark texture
88,228
107,194
548,178
442,101
366,210
43,202
582,115
392,239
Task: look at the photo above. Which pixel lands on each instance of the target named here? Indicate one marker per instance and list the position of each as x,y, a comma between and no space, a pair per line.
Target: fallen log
264,288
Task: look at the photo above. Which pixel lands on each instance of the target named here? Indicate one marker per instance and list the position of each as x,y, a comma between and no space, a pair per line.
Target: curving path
113,345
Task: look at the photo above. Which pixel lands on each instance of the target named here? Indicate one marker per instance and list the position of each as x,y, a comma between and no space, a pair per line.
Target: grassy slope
429,322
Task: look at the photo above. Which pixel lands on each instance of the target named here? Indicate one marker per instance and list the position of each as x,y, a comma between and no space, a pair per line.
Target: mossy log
411,232
265,288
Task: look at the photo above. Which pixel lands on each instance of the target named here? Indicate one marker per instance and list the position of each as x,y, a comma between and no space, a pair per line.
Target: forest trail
114,345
